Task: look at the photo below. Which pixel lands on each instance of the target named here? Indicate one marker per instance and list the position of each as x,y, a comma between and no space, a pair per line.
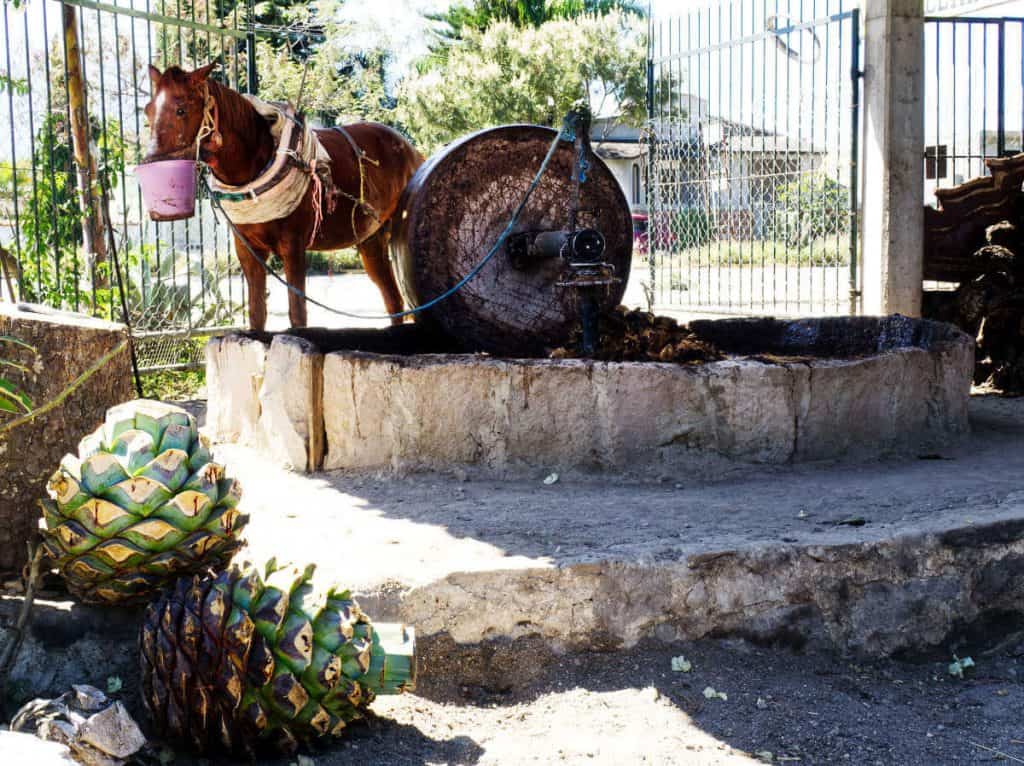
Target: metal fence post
1001,93
856,93
252,76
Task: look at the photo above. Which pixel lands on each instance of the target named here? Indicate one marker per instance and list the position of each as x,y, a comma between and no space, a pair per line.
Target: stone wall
67,345
894,384
268,397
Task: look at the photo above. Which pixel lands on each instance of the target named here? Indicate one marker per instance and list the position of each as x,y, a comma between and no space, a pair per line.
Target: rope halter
209,126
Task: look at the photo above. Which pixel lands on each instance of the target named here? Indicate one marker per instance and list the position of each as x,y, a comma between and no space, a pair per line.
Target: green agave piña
264,659
141,504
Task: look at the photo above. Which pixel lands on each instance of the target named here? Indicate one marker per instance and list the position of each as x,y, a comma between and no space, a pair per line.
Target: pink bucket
168,189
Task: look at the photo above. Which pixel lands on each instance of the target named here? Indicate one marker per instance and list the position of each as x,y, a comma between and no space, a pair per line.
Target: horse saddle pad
279,189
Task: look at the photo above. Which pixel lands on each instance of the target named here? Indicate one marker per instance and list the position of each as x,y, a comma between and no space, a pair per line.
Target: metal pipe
855,80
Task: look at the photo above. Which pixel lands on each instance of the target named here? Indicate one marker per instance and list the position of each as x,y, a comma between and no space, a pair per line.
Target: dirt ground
782,707
629,706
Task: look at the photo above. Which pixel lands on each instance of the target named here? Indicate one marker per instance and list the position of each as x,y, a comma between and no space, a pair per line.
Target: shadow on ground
808,707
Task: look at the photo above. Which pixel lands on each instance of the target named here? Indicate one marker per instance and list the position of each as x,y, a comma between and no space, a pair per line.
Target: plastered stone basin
791,391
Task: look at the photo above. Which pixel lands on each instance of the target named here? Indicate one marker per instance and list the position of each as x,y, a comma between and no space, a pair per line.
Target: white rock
286,401
113,731
19,748
234,374
57,731
89,698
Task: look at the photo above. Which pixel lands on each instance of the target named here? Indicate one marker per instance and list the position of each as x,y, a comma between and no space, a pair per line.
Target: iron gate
61,196
974,97
751,153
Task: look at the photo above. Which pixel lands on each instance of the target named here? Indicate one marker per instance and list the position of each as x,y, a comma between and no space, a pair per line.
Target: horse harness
274,193
359,202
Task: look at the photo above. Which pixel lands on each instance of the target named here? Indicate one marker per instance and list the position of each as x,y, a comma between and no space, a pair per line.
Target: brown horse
238,148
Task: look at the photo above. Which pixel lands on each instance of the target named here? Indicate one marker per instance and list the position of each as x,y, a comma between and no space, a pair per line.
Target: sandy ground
629,706
353,292
782,706
709,294
632,708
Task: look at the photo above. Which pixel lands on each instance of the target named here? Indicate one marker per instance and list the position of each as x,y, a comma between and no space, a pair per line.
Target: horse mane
235,110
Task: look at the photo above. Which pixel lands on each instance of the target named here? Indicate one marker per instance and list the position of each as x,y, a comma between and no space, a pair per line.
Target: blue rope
564,134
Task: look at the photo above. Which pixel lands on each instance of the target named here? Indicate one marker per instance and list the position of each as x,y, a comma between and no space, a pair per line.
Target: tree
534,74
815,206
479,15
312,51
51,220
339,84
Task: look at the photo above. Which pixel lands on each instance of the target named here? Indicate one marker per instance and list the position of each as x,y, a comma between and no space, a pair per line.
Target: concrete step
499,578
873,558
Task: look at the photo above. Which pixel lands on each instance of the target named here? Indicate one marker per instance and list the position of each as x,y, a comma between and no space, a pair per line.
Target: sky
398,24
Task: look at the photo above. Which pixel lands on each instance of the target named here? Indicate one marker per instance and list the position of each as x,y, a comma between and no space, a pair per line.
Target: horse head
180,110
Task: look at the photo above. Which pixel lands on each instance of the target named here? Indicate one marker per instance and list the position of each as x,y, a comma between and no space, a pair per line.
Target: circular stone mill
469,384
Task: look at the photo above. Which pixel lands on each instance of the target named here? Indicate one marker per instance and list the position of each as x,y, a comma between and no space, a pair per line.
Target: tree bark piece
67,344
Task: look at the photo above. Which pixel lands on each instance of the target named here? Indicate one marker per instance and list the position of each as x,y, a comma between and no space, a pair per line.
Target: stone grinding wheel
455,208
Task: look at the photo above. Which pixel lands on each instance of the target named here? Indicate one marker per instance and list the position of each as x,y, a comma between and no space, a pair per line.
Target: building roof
610,129
616,150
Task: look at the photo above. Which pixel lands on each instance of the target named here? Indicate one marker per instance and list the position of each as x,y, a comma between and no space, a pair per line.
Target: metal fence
974,97
66,180
751,155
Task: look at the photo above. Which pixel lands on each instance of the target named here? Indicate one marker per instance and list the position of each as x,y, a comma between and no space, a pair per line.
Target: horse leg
374,254
293,254
256,281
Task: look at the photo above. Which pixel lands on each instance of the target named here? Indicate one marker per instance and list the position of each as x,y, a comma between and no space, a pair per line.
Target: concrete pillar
893,191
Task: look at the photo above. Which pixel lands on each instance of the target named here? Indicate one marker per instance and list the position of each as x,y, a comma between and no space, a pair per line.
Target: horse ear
154,75
202,73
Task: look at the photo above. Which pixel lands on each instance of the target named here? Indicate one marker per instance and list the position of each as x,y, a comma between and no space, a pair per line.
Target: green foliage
177,291
317,62
509,74
724,253
13,400
479,15
53,269
339,83
690,228
815,206
176,385
18,85
340,260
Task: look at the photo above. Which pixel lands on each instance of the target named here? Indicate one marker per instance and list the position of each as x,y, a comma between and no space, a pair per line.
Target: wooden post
89,197
317,433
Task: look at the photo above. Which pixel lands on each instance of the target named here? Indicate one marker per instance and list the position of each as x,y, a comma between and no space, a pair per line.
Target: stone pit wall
365,411
67,345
